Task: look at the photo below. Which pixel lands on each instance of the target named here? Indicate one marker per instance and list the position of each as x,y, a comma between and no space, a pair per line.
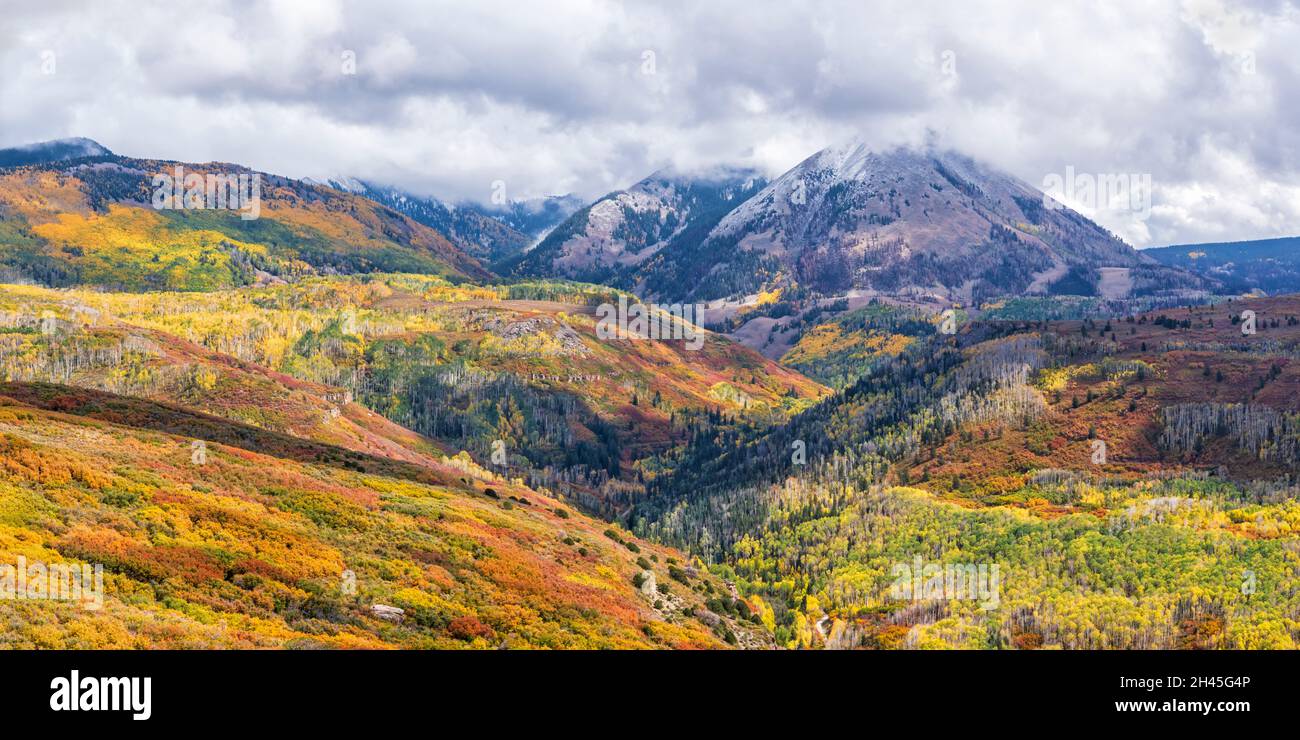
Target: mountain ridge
1271,265
54,150
908,219
608,239
472,232
915,222
89,221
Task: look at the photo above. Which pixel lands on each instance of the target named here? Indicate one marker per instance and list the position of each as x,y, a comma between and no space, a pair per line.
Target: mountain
609,240
331,426
467,226
101,220
345,360
906,222
232,505
1270,265
920,225
532,216
266,542
1101,469
56,150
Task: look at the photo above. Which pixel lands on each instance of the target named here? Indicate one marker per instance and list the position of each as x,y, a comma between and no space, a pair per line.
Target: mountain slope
608,240
296,484
1270,265
467,226
51,151
532,216
59,337
902,221
468,367
92,221
1126,477
262,548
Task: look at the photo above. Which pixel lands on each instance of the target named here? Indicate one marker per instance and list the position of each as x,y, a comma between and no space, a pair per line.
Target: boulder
384,611
707,617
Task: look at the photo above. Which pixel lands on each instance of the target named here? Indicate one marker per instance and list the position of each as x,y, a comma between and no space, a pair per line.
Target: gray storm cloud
446,98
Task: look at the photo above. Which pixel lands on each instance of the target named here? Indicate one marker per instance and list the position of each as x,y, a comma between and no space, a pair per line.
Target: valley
366,419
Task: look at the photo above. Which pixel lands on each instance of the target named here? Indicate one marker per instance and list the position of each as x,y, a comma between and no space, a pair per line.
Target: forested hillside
1269,265
1134,480
91,221
331,426
516,369
232,505
261,545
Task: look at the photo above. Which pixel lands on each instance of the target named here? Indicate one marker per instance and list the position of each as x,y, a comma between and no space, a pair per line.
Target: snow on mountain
621,231
904,220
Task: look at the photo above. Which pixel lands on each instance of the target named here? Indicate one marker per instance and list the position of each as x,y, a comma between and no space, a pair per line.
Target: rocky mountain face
466,226
905,221
613,238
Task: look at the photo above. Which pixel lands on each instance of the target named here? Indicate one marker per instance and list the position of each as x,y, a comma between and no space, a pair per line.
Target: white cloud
554,97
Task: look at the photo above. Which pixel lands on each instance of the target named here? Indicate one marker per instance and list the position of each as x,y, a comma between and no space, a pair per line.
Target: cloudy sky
444,98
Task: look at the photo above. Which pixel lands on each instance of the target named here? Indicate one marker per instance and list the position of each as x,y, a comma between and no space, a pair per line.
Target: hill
96,221
469,226
52,151
473,368
609,240
1132,480
257,546
1269,265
